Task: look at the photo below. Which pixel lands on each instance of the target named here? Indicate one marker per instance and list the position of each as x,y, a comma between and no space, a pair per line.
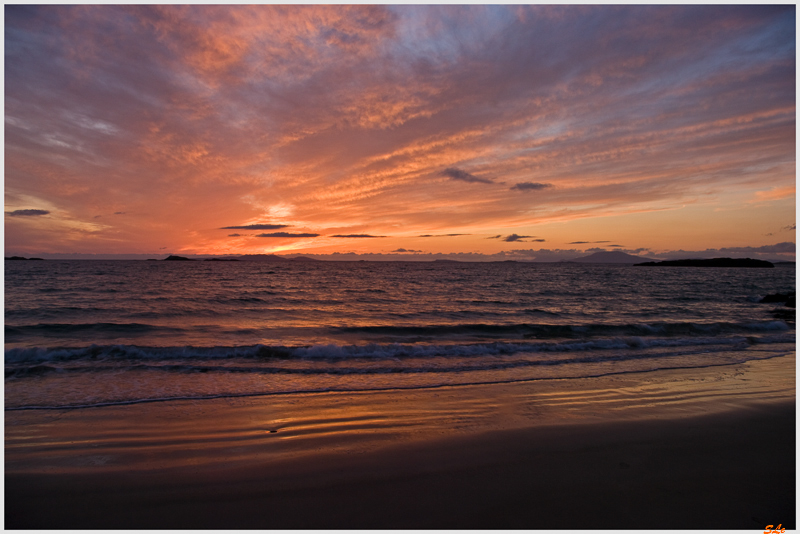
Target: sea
90,333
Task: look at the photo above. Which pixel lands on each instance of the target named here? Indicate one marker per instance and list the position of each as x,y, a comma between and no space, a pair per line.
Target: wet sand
697,448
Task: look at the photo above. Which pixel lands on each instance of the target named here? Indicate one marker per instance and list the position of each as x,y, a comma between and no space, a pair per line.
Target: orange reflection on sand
236,432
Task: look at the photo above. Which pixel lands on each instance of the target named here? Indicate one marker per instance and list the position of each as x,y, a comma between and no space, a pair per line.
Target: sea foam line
376,390
371,350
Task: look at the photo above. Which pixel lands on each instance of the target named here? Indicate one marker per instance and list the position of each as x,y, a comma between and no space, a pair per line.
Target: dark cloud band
27,213
357,235
441,235
464,176
286,234
514,237
530,186
256,227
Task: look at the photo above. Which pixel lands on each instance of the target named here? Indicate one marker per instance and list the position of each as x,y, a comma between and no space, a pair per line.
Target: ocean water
96,333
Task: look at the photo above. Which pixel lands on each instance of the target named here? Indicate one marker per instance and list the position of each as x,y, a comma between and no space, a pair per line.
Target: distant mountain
611,257
261,257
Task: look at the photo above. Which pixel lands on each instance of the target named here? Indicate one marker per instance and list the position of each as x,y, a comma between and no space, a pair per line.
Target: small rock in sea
787,298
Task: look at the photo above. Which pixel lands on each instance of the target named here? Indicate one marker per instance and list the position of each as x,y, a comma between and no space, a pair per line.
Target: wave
551,331
374,350
433,331
207,366
51,329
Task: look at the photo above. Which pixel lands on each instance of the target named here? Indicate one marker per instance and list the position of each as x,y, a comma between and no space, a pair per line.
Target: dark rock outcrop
177,258
787,298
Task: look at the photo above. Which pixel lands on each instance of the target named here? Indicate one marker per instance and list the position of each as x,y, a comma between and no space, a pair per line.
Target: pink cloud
193,118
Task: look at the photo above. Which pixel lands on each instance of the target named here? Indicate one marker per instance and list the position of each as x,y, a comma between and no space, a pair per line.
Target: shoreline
689,448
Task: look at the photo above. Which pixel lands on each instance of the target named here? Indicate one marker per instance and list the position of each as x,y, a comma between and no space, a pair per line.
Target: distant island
716,262
18,258
177,258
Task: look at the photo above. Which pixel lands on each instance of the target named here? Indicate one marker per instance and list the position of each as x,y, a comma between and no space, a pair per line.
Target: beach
400,267
709,447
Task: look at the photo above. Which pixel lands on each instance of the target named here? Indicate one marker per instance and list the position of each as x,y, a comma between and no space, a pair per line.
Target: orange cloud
341,120
776,193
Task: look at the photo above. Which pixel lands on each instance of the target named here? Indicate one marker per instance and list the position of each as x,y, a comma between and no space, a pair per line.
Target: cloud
343,114
785,250
357,235
776,193
119,213
779,248
458,174
27,213
286,234
790,227
407,250
256,227
441,235
234,235
514,237
530,186
587,242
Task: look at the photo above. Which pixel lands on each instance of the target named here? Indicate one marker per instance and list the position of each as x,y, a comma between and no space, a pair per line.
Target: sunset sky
532,131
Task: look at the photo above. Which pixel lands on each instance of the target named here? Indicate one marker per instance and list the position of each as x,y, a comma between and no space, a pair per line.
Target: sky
478,131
